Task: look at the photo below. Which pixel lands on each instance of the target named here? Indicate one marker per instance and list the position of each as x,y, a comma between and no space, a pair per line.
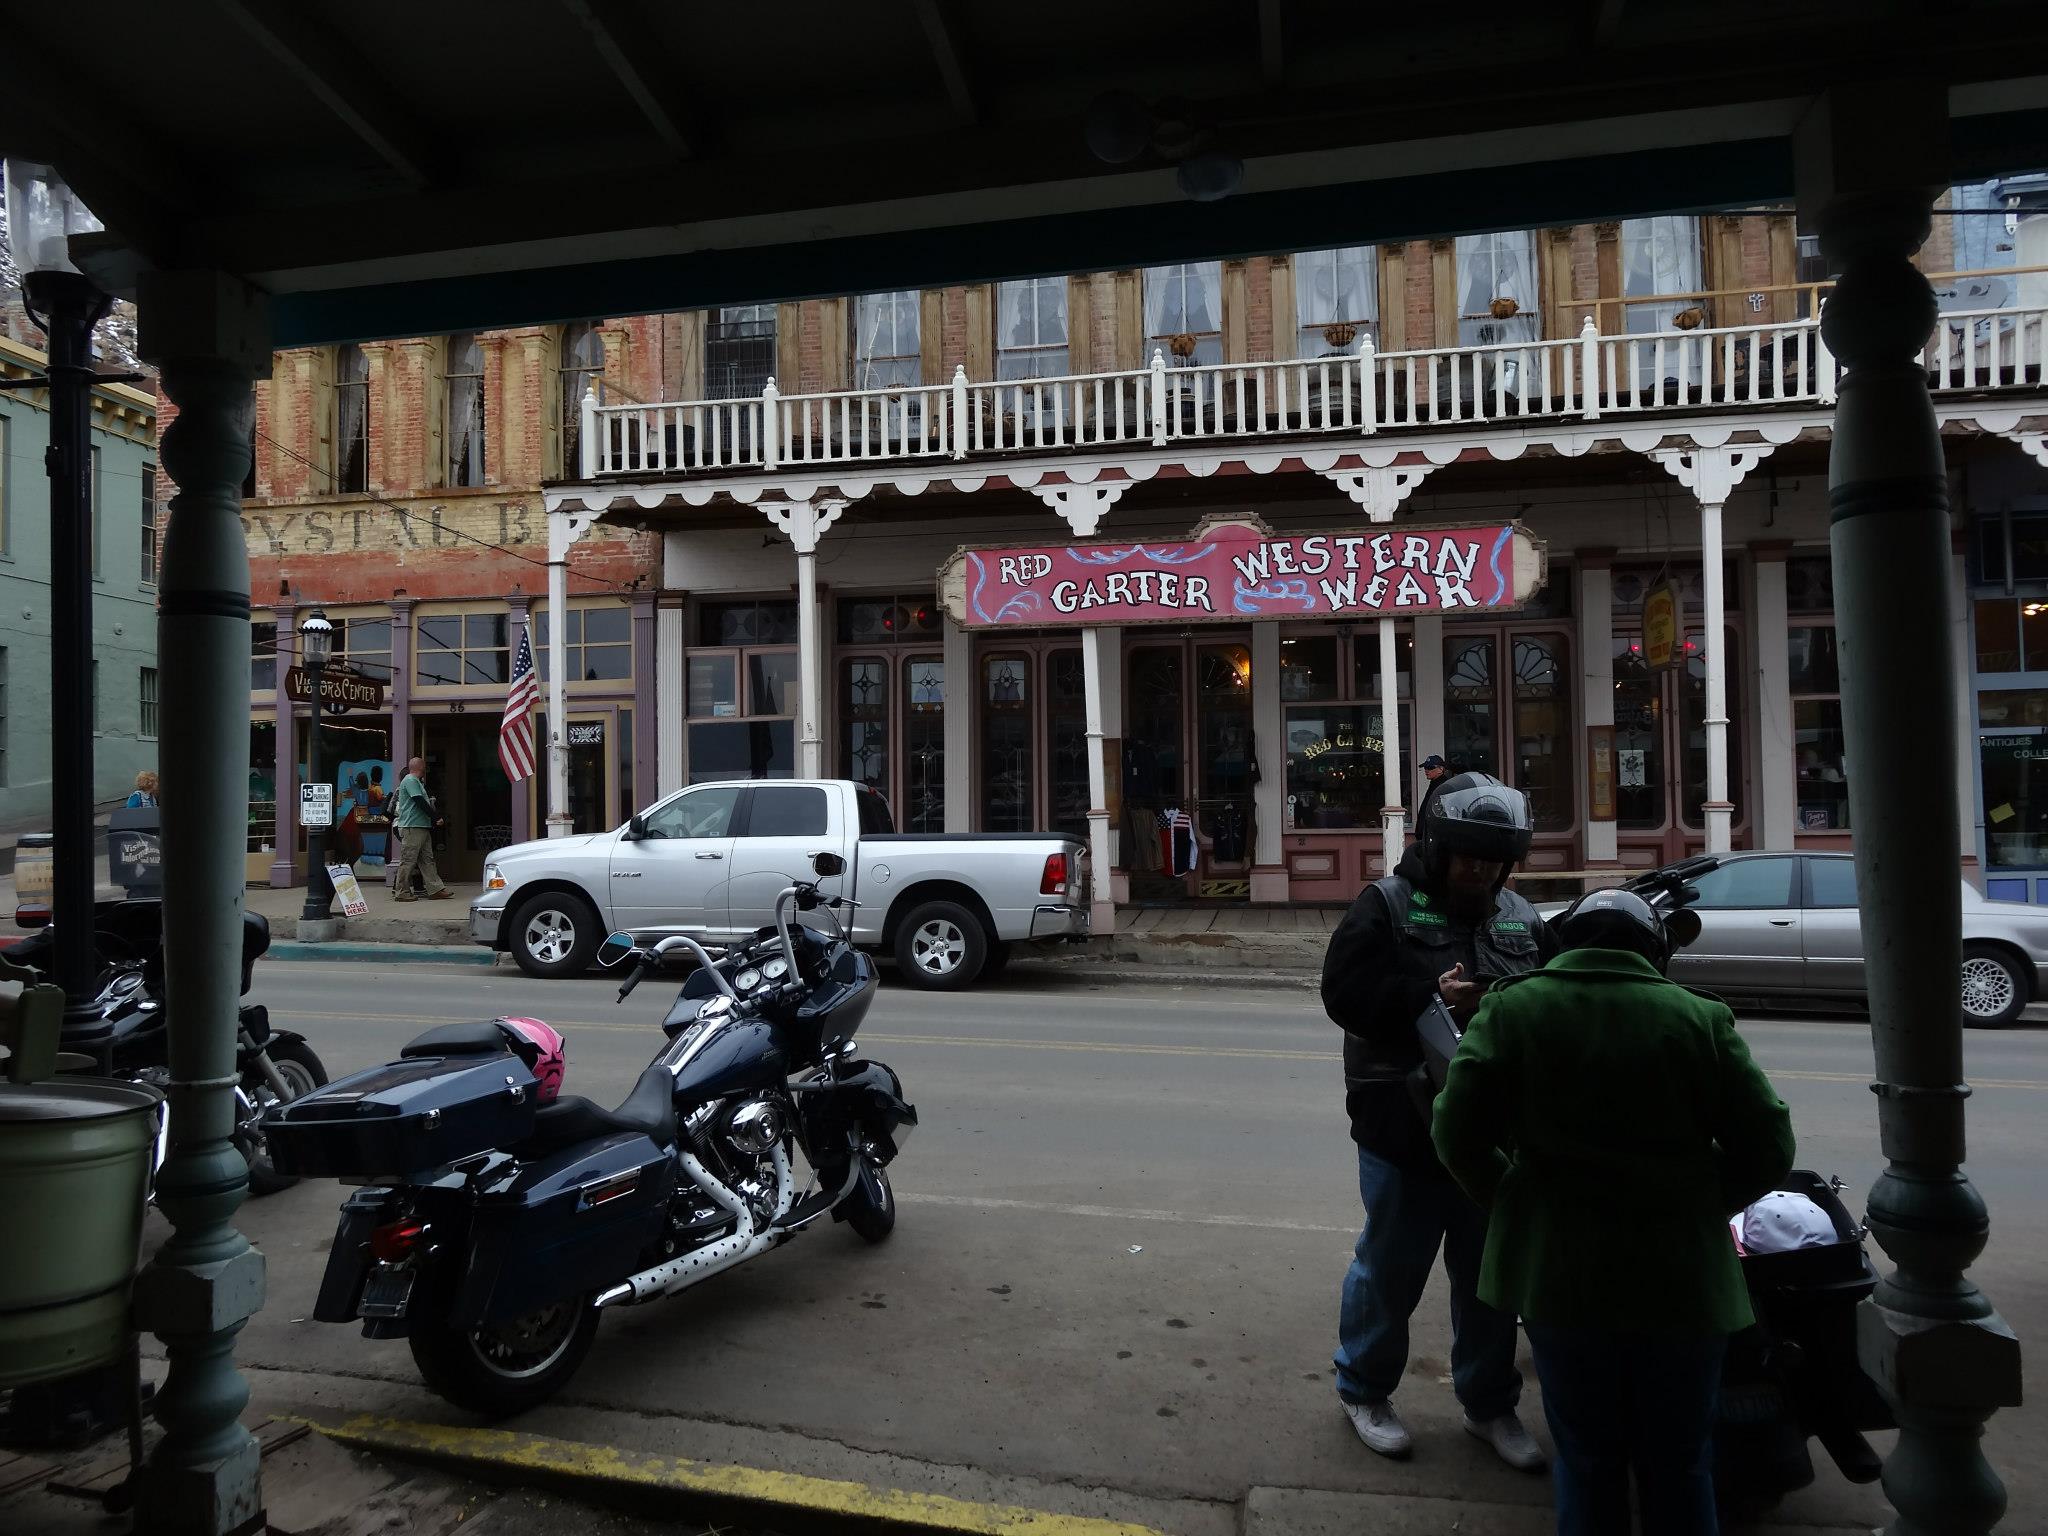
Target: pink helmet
545,1052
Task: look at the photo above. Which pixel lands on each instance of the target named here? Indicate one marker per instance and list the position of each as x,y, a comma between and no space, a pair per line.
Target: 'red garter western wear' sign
1236,569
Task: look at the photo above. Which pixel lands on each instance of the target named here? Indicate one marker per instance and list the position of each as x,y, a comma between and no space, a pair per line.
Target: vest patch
1427,919
1506,926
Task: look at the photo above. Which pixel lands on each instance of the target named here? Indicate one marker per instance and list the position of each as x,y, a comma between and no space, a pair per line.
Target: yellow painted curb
507,1451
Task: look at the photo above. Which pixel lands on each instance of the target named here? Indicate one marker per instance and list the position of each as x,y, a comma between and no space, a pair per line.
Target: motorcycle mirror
1682,926
827,865
616,949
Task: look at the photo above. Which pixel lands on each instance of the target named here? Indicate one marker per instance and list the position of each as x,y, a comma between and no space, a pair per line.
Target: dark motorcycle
127,1038
493,1229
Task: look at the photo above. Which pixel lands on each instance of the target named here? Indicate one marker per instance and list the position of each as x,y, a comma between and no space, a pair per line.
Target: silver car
1784,926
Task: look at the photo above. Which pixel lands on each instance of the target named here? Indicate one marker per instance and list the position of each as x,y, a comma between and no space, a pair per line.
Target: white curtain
1187,296
1335,287
351,401
1658,256
1031,328
465,414
886,345
1499,265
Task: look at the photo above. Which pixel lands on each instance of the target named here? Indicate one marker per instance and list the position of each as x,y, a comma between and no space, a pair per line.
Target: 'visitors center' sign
1237,570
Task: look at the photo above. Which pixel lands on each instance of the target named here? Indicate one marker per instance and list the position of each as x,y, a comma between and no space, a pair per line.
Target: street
1124,1219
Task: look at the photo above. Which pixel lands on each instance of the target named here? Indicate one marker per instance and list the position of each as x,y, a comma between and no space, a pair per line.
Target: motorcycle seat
458,1040
649,1110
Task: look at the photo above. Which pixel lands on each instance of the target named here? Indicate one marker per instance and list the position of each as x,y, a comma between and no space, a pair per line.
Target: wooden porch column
1102,671
961,701
1777,805
671,703
1269,795
1596,681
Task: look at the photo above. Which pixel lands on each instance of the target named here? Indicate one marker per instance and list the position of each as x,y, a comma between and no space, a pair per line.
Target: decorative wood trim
1607,255
789,347
1080,323
1783,245
1443,283
981,332
1554,286
1130,318
1236,322
1286,325
1393,266
834,320
693,331
931,336
1721,264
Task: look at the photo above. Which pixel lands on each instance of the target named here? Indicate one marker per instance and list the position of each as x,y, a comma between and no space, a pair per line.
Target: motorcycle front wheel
871,1208
506,1368
302,1074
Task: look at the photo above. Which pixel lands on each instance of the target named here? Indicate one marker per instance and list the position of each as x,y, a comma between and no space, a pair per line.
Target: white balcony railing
1587,377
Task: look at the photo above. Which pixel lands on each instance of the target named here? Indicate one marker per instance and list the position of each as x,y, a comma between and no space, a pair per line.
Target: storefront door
1188,753
593,773
1660,750
469,784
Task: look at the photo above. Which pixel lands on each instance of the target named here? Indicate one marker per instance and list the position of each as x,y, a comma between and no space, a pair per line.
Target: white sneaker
1510,1441
1380,1427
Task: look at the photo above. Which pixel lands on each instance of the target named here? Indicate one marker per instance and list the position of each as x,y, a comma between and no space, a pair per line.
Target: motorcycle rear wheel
504,1369
302,1073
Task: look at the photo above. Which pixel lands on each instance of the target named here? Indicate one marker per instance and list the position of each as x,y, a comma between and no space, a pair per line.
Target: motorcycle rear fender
348,1257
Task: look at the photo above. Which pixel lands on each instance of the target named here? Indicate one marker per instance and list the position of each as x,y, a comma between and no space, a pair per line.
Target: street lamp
42,216
316,645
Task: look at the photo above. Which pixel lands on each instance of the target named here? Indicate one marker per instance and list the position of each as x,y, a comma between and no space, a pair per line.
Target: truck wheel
555,934
940,947
1994,991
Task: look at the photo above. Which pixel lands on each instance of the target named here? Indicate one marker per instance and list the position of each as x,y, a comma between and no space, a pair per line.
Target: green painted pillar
205,332
1872,157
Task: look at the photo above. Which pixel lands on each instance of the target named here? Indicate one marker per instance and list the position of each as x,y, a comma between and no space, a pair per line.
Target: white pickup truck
709,861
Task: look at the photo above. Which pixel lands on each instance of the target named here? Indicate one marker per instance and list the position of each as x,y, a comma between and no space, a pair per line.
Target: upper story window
1031,328
351,419
1983,239
739,351
1336,298
262,656
465,378
1184,312
598,643
1497,288
582,362
459,648
364,644
149,545
887,350
1659,256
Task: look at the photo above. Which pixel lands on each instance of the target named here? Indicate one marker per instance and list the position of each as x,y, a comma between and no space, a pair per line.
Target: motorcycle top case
404,1117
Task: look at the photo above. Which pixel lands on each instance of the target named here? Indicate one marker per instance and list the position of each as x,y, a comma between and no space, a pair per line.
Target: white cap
1781,1222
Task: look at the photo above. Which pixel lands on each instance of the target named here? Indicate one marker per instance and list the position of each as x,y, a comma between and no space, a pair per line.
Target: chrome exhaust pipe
686,1270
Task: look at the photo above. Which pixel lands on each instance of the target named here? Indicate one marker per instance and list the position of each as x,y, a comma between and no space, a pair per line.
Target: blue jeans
1407,1218
1618,1402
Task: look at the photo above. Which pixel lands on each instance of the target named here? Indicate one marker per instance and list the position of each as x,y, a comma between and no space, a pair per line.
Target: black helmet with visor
1618,919
1476,815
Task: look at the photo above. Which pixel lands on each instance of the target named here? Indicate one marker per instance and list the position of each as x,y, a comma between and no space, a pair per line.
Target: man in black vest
1441,926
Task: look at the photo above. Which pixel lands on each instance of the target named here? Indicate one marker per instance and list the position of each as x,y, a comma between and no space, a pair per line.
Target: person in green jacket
1611,1121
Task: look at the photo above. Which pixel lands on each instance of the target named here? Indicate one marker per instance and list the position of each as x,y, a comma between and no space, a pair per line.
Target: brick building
408,488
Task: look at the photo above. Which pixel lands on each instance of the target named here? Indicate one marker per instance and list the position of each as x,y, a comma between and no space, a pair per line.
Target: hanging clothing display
1176,841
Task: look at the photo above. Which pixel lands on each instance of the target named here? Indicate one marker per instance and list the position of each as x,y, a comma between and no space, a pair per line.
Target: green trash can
75,1164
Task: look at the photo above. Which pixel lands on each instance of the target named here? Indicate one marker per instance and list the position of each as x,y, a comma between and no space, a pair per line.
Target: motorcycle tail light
395,1240
1054,882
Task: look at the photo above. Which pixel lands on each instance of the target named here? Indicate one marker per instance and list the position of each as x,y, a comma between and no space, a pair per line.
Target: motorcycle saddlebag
572,1222
403,1118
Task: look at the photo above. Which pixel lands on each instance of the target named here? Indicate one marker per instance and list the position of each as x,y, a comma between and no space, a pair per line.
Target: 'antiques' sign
1235,569
339,689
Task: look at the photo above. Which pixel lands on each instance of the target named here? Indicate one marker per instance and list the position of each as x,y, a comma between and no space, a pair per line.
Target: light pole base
319,930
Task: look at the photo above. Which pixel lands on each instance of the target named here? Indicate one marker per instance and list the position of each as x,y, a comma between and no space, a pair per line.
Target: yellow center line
1102,1047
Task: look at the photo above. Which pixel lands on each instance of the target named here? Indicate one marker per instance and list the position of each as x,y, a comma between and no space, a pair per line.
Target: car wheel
555,934
940,947
1994,990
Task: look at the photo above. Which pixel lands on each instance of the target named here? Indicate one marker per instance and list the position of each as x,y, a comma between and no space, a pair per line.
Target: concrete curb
404,954
1083,973
702,1491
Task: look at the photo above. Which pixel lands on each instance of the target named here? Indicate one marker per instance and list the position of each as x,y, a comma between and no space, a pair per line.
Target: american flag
515,731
